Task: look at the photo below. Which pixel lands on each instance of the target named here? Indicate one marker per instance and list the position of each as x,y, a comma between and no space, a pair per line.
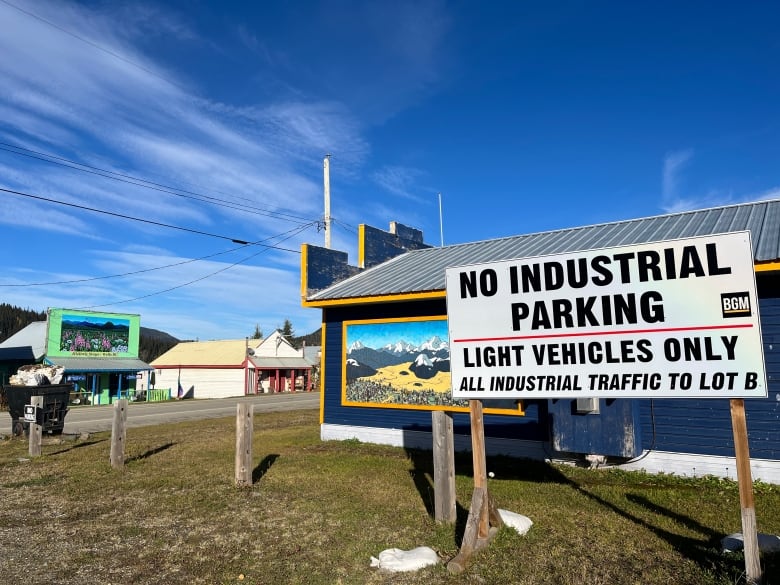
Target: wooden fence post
745,481
118,434
444,467
36,430
244,429
484,520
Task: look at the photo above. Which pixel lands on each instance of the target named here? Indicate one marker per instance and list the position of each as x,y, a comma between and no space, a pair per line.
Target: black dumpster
55,406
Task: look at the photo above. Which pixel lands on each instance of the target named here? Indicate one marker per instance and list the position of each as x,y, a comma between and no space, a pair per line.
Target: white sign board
672,319
29,413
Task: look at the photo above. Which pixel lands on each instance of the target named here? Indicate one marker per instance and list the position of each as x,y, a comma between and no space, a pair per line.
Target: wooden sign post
244,429
118,434
445,502
745,480
483,521
36,429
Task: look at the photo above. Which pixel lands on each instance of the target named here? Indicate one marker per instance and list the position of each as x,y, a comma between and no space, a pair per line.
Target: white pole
441,223
326,168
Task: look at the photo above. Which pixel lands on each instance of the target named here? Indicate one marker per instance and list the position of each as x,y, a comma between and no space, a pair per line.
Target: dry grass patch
317,511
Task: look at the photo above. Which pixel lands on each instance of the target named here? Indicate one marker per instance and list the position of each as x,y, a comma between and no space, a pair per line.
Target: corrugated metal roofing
84,364
29,343
422,271
230,352
281,363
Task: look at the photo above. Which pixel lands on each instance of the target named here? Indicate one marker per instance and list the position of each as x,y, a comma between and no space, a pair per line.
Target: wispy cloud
676,199
400,181
130,113
674,164
94,87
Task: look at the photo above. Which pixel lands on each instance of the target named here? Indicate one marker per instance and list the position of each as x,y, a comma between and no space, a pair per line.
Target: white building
221,369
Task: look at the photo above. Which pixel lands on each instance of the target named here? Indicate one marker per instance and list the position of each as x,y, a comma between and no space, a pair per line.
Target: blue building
384,370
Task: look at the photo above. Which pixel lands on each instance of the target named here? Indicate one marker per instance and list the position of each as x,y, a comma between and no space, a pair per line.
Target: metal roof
99,364
421,271
226,352
27,344
280,363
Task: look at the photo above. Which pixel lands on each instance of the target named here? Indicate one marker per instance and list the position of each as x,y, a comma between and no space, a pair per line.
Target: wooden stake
118,434
480,461
745,480
483,511
244,428
445,504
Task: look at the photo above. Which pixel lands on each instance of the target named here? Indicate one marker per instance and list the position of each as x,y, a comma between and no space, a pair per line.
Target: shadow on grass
703,550
263,467
706,554
78,446
150,452
422,476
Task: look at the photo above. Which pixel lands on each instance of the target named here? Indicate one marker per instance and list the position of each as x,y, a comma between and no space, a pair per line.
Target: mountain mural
357,370
424,360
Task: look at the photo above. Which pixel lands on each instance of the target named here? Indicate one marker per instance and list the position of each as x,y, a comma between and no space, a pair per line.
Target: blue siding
532,426
678,425
704,426
613,431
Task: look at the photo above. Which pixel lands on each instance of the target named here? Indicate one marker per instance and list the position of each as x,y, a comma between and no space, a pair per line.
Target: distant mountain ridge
424,361
107,326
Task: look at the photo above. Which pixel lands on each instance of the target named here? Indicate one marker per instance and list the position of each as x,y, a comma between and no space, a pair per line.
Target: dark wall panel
532,426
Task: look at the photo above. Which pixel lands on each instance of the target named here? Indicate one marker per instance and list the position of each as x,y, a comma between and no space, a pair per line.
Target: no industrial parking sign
665,319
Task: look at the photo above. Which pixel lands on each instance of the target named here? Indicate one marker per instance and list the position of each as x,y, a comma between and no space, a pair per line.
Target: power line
345,226
140,182
155,268
146,296
120,215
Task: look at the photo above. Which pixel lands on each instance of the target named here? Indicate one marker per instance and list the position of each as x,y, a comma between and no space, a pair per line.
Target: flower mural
92,334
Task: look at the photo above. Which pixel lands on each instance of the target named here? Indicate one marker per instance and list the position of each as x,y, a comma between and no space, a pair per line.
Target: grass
317,511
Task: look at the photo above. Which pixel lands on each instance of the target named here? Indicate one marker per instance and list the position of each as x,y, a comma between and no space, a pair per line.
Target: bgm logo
735,304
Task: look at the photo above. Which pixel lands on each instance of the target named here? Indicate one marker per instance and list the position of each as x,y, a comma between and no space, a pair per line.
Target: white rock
520,523
395,559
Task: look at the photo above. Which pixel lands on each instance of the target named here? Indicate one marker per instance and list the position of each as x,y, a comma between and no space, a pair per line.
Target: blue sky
525,116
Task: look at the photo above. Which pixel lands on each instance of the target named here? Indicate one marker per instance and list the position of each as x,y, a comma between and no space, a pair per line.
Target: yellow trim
322,374
394,320
361,259
767,266
486,410
434,294
304,271
344,402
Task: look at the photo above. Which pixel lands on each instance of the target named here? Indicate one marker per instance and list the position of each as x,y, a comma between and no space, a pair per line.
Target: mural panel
403,363
82,333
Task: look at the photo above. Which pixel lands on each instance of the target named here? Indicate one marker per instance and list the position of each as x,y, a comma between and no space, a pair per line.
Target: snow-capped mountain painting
398,362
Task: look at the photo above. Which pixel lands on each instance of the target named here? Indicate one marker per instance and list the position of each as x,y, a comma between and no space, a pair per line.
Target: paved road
93,419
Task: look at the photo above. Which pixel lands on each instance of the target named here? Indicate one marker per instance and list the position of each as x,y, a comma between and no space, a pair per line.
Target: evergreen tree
14,319
258,334
287,329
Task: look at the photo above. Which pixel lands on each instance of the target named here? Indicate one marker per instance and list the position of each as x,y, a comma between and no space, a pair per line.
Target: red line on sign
593,334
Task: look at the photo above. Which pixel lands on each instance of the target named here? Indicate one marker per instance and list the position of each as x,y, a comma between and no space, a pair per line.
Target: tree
258,334
287,329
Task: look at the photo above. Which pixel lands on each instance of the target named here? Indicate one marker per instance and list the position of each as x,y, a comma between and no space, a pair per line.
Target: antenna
441,224
326,180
